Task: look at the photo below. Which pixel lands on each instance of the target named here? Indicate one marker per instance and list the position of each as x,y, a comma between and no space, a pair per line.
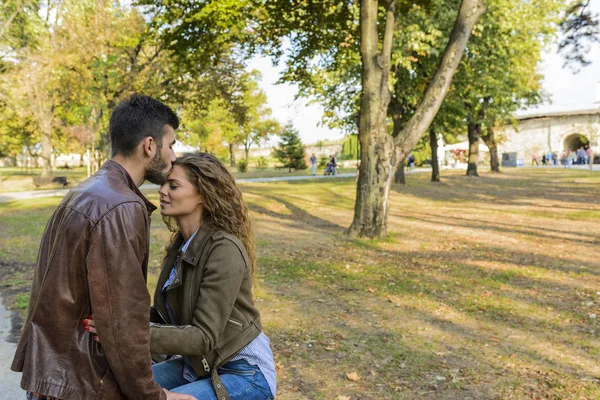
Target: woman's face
178,196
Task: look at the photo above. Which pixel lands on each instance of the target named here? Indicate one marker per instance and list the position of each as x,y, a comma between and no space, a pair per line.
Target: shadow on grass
478,225
511,306
508,189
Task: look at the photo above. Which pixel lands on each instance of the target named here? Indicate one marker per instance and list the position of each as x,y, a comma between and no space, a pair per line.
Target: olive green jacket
211,299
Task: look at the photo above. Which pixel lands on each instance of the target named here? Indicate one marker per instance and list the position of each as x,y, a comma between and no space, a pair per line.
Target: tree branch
469,13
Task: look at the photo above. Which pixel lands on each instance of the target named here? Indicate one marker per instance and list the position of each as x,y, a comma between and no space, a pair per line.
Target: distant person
564,159
572,158
411,162
544,159
534,159
554,158
333,163
588,156
580,156
93,258
313,164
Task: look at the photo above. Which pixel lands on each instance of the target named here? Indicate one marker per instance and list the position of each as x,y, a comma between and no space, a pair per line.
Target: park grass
484,288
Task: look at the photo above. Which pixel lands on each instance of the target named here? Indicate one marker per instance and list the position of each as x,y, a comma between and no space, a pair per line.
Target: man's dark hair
137,118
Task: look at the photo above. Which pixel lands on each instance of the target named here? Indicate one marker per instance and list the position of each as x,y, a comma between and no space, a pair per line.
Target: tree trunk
474,135
231,156
400,176
377,148
435,165
490,140
247,154
380,152
395,111
46,142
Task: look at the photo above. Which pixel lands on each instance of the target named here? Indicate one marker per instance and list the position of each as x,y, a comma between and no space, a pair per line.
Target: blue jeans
242,381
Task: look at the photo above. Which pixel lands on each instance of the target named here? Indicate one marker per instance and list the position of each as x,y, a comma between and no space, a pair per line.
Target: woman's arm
220,286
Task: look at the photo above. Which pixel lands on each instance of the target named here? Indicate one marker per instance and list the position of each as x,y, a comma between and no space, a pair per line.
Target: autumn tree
498,74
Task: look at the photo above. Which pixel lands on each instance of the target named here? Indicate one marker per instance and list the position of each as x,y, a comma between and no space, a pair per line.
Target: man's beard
155,173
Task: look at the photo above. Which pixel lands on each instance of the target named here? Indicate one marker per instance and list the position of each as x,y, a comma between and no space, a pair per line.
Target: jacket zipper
236,323
190,297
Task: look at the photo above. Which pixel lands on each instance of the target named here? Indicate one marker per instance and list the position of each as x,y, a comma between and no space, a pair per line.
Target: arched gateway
575,141
552,132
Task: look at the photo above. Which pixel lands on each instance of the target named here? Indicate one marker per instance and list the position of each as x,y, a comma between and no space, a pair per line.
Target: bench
39,181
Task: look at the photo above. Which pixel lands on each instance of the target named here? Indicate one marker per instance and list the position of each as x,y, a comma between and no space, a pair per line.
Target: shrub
323,162
242,166
262,163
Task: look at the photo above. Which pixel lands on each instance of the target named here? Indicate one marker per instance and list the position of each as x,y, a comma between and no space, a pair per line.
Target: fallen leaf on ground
352,376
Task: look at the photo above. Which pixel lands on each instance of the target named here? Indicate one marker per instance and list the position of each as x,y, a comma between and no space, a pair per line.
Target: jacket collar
194,250
115,167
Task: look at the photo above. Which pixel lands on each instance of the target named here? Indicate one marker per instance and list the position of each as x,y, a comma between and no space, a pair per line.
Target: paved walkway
36,194
9,380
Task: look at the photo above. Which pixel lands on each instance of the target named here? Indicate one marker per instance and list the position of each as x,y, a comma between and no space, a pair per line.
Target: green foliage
422,152
262,162
498,74
290,151
242,166
323,162
21,301
350,148
581,29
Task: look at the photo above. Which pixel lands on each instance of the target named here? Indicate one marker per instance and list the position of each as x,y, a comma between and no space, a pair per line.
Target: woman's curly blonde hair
221,199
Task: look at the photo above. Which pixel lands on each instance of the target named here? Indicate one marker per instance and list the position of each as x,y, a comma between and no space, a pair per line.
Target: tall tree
323,35
380,152
498,74
258,124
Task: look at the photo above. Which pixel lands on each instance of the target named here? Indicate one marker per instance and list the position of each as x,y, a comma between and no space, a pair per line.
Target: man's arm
120,299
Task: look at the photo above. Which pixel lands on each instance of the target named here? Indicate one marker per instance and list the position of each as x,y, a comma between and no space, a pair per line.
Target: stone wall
548,134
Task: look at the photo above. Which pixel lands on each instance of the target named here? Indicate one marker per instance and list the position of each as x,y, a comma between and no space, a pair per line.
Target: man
93,259
333,162
313,164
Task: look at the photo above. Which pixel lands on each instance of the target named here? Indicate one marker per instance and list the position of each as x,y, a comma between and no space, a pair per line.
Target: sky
567,90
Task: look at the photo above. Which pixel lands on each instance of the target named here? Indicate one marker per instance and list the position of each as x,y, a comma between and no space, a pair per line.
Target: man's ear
149,146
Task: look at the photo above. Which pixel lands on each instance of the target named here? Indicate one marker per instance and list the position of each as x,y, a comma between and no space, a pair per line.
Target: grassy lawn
17,179
486,287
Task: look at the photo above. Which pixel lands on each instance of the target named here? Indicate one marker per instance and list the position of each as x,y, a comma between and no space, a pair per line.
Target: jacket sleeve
221,282
120,299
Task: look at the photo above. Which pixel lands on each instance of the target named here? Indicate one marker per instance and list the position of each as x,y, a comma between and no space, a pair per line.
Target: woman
203,306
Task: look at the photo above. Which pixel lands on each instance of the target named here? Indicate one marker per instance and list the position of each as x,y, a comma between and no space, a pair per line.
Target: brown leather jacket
93,259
